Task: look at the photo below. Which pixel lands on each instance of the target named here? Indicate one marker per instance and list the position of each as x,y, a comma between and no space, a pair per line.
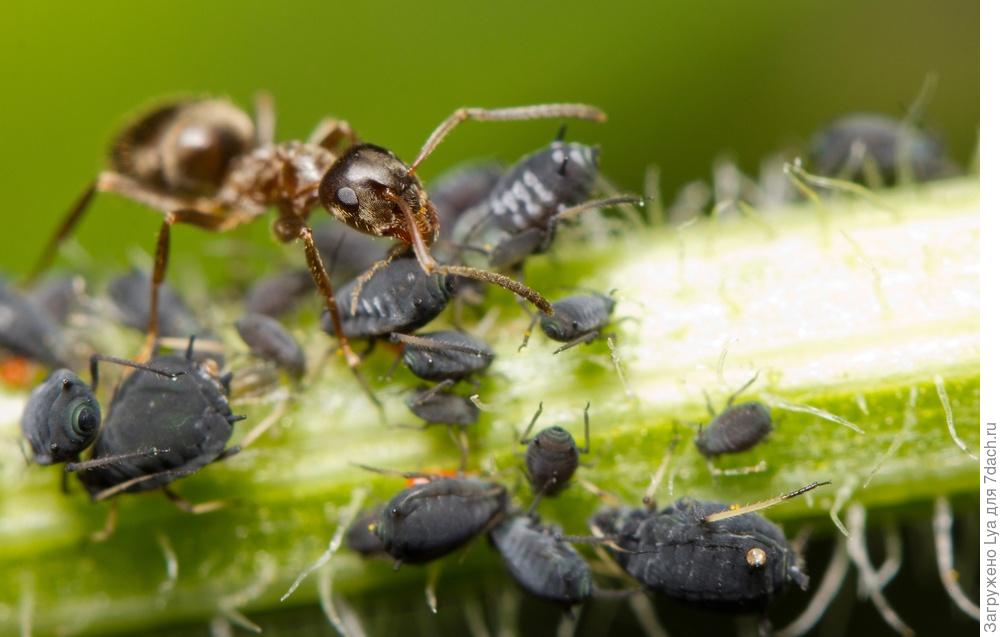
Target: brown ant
204,162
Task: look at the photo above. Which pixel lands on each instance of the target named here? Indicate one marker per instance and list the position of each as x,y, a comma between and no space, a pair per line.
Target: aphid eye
347,197
395,512
576,325
83,419
756,557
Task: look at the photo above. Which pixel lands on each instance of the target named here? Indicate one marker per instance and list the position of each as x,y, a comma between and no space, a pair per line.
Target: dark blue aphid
130,295
398,298
28,331
552,455
59,296
445,355
268,339
61,418
575,320
542,563
442,408
278,294
460,188
840,150
430,520
736,429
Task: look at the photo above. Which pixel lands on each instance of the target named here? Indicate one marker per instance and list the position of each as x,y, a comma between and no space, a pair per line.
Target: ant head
61,418
371,190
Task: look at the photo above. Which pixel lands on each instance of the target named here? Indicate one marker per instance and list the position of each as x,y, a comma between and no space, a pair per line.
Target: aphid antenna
86,465
743,388
524,437
735,510
433,391
422,342
648,499
583,339
803,179
97,358
393,472
607,202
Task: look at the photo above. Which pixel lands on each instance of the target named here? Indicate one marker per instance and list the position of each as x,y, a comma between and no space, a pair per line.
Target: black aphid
399,297
445,355
130,295
460,188
575,320
738,428
268,339
28,331
59,296
278,294
61,418
705,553
853,144
437,407
361,536
552,455
430,520
541,562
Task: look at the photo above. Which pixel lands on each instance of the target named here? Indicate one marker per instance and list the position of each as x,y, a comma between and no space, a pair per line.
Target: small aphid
399,297
61,418
29,332
460,188
59,296
430,520
854,145
541,562
278,294
445,355
361,537
736,429
575,320
713,555
268,339
130,295
552,455
437,407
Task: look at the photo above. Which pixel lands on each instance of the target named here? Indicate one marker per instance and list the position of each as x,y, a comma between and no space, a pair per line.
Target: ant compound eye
347,197
756,557
84,420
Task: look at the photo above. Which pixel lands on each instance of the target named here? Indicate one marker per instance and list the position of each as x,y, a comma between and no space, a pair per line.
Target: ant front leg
160,262
322,281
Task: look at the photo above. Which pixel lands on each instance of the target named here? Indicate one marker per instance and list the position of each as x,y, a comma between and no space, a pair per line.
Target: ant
204,162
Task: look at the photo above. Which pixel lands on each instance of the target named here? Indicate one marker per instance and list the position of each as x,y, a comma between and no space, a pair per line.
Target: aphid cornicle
61,418
445,354
399,297
842,149
28,331
541,562
430,520
552,455
736,429
268,339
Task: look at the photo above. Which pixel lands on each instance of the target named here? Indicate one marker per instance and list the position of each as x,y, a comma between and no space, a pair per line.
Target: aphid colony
205,162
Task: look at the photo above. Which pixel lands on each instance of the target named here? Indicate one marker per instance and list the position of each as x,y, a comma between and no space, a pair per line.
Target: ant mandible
204,162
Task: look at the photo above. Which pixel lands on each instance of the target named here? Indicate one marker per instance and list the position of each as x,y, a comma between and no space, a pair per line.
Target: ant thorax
285,175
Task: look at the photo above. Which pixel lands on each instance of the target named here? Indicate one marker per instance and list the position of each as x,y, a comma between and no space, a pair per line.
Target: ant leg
531,425
160,263
330,132
187,507
538,111
110,524
65,228
264,117
583,339
322,281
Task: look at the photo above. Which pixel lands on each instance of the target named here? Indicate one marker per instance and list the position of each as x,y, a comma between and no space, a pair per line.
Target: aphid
185,417
268,339
708,554
437,407
278,294
855,145
59,296
541,561
399,297
737,428
575,320
361,537
521,213
205,163
444,355
430,520
130,295
61,418
29,332
461,188
552,455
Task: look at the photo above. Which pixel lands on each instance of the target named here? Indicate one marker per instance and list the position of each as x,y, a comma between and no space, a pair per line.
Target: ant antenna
740,509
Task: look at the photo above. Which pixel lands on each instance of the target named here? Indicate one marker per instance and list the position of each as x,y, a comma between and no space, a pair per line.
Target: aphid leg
577,210
593,489
170,560
461,440
343,524
586,430
392,472
434,391
801,178
359,283
269,421
188,507
648,499
110,524
945,552
264,118
742,509
583,339
826,592
737,471
858,552
524,437
508,609
331,132
645,614
65,228
430,588
516,113
527,332
322,281
746,386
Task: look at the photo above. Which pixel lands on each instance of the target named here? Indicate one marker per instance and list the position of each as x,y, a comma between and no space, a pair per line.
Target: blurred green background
681,81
